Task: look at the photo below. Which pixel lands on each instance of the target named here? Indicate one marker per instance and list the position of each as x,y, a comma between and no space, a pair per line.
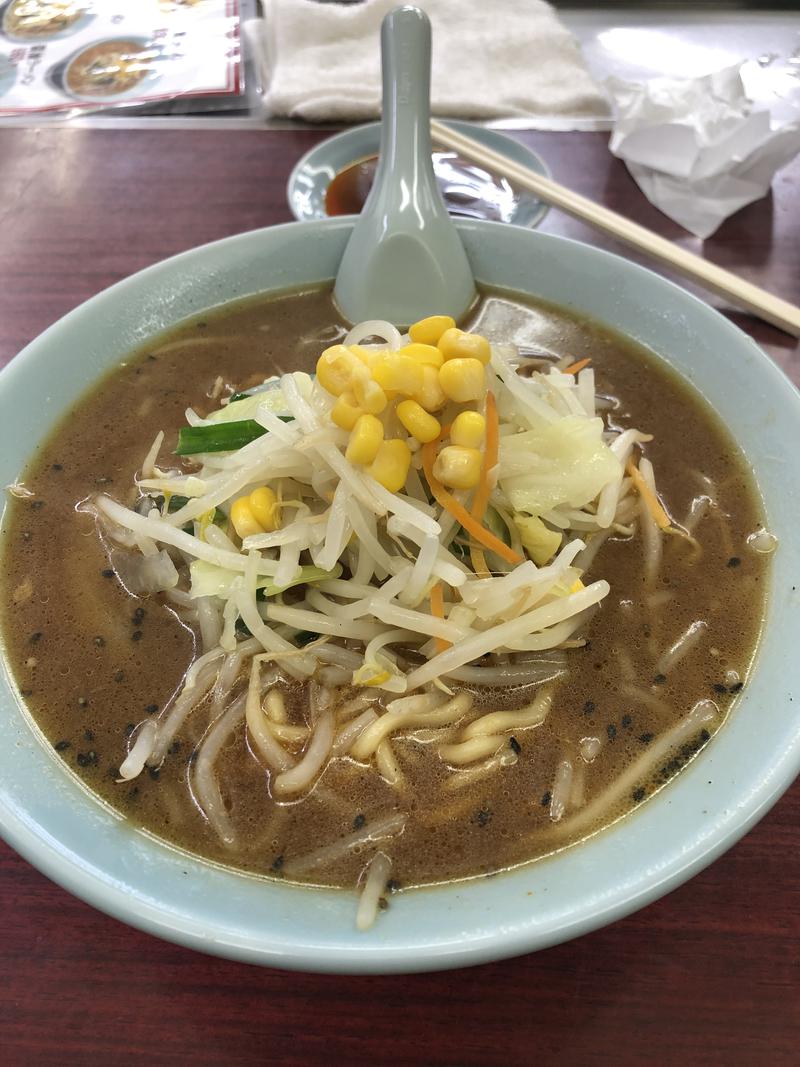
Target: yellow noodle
501,721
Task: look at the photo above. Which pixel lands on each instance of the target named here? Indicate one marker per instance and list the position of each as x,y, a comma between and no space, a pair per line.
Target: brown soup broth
92,662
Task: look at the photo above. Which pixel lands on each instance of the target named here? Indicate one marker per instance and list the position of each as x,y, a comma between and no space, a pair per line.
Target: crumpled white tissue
698,148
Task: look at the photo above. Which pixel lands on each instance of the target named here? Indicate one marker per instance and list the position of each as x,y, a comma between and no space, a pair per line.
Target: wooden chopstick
771,308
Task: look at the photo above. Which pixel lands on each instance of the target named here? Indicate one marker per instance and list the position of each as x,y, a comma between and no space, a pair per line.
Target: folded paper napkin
509,58
698,147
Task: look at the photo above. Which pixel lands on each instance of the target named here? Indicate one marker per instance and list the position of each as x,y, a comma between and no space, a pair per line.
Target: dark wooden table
708,975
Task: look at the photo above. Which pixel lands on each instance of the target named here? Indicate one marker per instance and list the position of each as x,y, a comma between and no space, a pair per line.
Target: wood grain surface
708,975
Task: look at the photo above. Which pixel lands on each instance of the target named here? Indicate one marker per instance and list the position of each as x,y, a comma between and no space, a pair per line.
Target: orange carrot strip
574,368
490,454
437,609
460,513
646,493
484,490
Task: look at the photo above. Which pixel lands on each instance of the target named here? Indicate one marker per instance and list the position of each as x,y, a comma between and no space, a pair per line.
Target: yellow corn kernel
390,466
430,396
398,373
428,331
427,355
365,440
345,412
244,521
468,429
418,422
458,467
462,380
335,369
366,356
368,393
265,509
455,344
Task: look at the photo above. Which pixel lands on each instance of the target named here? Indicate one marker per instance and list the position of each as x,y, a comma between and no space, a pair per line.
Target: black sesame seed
137,616
26,692
483,817
646,738
705,735
737,687
88,735
516,747
545,800
84,759
35,638
719,688
119,676
611,730
659,679
277,863
174,747
133,792
61,746
129,729
638,794
358,822
392,885
37,504
734,561
107,572
136,635
626,721
154,772
56,467
151,709
588,707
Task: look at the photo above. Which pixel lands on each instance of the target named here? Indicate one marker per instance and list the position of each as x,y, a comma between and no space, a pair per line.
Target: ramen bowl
54,822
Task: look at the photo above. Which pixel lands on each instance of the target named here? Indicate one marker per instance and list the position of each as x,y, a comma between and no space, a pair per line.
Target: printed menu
88,55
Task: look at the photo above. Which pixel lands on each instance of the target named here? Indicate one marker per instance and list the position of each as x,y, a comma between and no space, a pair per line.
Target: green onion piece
217,437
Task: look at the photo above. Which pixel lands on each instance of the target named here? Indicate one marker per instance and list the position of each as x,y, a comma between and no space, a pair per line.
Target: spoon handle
405,133
404,259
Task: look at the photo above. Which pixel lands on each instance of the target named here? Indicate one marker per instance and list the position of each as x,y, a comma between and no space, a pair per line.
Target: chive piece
217,437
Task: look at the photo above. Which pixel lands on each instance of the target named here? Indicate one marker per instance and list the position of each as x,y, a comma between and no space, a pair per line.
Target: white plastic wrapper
73,56
698,148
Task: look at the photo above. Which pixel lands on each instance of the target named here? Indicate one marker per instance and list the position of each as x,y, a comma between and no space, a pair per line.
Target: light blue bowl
308,183
69,835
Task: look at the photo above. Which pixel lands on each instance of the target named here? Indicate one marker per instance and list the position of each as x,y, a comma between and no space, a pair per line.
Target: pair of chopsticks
758,301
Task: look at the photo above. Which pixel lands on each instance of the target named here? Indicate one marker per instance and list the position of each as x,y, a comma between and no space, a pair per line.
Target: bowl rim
529,211
491,939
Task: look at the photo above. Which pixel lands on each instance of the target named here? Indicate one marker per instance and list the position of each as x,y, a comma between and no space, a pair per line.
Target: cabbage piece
210,580
566,462
142,575
539,541
268,395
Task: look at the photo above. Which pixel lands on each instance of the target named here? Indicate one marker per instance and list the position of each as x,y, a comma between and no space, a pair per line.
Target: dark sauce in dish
468,190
